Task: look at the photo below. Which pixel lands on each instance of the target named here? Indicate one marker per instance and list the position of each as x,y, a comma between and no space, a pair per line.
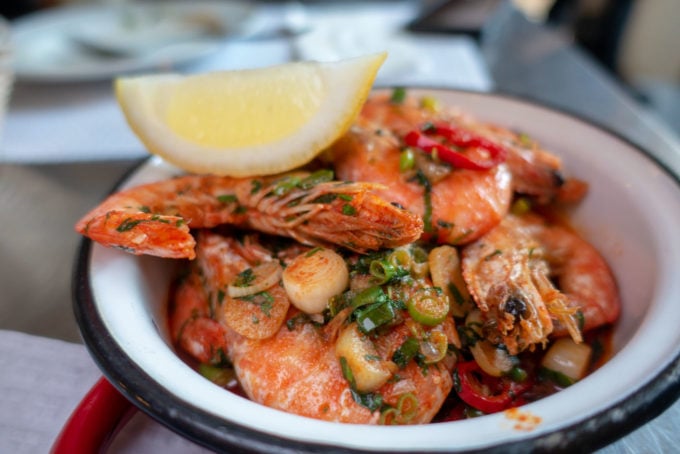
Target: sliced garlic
370,372
312,278
475,322
258,279
569,358
493,360
446,274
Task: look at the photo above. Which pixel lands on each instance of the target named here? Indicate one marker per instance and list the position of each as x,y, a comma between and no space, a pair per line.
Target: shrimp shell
510,273
156,218
462,206
499,270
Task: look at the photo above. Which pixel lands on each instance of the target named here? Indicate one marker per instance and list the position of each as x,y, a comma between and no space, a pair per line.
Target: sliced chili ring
460,138
478,394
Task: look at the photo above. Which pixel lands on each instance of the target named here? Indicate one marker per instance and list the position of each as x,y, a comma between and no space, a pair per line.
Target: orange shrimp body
302,375
291,365
536,171
582,275
191,322
509,273
458,208
457,205
156,218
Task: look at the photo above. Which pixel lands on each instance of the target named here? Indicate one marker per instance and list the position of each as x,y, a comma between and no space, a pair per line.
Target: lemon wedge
247,122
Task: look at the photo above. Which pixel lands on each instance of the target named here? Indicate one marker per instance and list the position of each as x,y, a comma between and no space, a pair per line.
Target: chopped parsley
493,254
398,95
348,210
264,299
127,225
227,198
406,352
244,278
256,185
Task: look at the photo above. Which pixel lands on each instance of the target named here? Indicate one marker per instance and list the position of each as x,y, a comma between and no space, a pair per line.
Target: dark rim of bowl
208,430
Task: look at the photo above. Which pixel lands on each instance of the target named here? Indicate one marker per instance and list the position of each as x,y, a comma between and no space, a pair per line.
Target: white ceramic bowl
631,214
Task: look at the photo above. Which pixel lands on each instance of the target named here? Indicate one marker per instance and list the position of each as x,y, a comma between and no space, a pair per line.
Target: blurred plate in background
100,41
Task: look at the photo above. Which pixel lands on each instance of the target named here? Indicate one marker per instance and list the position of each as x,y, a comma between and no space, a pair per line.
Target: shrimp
303,376
582,274
156,218
296,368
509,273
221,261
192,324
457,207
536,172
198,319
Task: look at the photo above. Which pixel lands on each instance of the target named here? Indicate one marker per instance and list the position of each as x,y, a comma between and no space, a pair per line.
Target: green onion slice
407,160
398,95
389,417
370,295
374,316
428,306
382,271
407,407
406,352
221,376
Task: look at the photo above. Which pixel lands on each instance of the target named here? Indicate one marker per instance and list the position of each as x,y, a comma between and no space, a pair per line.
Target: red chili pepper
460,138
486,393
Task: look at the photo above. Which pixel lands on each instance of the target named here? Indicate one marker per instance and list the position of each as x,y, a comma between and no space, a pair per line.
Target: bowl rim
211,431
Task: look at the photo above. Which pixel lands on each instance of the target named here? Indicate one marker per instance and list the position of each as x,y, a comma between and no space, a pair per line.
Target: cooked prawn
200,307
192,324
536,171
302,373
156,218
458,208
221,260
509,273
582,275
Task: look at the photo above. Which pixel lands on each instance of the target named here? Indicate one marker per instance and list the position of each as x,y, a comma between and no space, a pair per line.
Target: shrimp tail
142,233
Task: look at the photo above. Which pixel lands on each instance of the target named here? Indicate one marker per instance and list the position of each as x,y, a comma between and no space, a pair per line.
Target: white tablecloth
82,122
42,382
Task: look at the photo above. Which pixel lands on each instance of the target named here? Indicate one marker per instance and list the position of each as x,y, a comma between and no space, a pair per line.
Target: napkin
339,32
42,382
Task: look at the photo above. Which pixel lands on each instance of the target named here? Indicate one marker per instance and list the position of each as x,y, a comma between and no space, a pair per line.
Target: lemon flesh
285,103
247,122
